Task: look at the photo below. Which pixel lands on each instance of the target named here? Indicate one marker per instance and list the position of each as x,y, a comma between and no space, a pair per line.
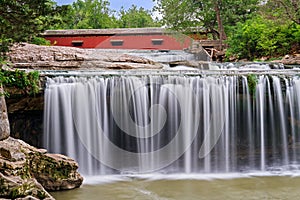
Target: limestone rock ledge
70,58
27,172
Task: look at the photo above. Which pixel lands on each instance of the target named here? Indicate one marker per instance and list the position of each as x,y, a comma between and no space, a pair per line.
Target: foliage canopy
23,21
210,14
86,14
136,17
96,14
270,33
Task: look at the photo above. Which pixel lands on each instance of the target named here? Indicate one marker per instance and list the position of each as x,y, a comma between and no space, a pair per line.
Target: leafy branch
28,83
252,83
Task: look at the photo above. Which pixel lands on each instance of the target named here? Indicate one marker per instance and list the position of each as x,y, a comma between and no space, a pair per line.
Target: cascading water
174,123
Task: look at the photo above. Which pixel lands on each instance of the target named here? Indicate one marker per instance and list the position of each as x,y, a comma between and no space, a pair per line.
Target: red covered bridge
132,38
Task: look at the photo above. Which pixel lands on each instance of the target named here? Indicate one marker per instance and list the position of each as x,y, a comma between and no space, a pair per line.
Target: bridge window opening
77,43
157,41
117,42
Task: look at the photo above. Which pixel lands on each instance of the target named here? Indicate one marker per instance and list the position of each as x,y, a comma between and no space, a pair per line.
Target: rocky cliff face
62,58
26,171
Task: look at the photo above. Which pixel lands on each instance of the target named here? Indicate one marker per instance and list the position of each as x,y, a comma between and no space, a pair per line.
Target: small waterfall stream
175,123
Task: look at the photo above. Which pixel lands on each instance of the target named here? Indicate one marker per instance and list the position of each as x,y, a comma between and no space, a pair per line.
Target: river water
254,187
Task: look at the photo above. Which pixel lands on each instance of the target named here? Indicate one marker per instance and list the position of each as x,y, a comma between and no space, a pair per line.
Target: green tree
217,16
23,20
136,18
260,36
273,32
283,10
88,14
63,18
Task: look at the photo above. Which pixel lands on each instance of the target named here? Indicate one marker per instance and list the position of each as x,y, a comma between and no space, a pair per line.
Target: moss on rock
28,171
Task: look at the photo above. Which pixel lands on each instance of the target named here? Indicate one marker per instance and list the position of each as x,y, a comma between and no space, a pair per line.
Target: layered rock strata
67,58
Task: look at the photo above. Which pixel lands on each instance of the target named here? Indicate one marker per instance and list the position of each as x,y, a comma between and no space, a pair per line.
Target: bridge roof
73,32
115,31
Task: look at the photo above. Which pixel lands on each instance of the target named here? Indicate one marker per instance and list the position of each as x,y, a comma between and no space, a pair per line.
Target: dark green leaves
136,18
28,83
21,20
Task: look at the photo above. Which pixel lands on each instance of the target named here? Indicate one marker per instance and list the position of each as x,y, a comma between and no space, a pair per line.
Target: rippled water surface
256,187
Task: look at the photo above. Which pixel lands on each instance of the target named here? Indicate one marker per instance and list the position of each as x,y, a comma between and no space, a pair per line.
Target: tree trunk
222,34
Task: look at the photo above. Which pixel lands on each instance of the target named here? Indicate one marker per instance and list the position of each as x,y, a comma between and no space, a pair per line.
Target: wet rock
58,58
28,171
4,123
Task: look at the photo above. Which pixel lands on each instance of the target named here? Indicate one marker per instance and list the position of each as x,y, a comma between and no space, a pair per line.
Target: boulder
71,58
63,176
4,123
26,170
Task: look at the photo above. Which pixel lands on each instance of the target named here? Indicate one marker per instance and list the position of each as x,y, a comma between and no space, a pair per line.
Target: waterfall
174,123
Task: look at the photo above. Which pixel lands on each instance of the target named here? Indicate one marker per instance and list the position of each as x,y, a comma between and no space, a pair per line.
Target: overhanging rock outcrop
67,58
26,171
